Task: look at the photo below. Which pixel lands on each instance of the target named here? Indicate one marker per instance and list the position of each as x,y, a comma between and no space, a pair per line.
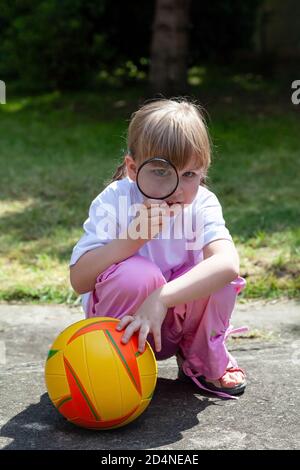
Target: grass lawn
58,150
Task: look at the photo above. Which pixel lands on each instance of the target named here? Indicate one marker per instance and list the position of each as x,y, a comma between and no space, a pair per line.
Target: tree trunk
169,47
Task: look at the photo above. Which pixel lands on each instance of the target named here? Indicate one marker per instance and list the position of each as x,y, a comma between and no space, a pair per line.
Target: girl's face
189,180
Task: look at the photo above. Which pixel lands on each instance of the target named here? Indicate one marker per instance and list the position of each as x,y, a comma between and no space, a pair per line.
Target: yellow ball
94,380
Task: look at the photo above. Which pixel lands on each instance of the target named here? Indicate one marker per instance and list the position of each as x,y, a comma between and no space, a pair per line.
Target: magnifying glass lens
157,179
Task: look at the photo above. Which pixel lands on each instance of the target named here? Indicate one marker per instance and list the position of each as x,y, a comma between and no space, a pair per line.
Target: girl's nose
179,191
177,196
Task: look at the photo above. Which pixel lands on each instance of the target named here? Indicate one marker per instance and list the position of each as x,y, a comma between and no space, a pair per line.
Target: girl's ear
131,167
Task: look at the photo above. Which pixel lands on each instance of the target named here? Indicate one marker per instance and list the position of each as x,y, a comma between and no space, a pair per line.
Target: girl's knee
137,272
123,287
133,278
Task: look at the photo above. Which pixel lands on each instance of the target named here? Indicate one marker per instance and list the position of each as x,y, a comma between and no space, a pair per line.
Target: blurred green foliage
72,44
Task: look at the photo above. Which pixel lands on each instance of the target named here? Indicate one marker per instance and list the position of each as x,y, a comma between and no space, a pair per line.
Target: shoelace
231,331
187,370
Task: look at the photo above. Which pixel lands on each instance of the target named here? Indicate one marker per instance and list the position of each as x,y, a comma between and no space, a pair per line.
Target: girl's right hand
149,220
157,211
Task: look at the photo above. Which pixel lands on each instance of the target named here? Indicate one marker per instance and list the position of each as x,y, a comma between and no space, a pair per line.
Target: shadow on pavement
173,410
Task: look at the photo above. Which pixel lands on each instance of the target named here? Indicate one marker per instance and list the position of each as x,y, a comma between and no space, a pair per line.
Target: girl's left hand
148,319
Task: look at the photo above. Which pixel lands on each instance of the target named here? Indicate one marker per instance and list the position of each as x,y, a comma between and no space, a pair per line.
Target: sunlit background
75,70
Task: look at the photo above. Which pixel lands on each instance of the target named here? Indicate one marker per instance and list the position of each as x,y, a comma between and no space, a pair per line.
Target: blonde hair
170,128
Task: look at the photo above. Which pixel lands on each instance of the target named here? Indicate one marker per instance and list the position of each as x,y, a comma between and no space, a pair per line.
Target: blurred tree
220,29
169,48
277,38
51,43
67,44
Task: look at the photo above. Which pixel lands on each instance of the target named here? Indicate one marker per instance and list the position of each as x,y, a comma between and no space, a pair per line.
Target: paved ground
265,417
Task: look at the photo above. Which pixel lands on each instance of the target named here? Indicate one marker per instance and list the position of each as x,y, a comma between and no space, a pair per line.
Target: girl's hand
148,319
157,211
152,216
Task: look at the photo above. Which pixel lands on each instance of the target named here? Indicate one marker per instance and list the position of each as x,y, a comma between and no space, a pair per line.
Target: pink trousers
197,329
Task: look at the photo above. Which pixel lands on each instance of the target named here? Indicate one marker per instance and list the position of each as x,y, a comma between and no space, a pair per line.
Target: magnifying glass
157,178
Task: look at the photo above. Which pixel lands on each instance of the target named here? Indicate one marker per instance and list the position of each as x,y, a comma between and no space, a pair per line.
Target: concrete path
265,417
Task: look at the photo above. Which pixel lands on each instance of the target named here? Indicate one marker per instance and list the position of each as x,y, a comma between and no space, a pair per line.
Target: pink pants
196,329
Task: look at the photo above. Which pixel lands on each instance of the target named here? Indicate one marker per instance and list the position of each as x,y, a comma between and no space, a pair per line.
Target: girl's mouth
172,203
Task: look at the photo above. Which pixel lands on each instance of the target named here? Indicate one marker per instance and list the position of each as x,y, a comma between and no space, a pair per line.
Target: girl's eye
160,172
189,174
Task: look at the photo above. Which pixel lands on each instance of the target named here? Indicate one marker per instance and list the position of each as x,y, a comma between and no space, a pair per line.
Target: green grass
58,150
256,174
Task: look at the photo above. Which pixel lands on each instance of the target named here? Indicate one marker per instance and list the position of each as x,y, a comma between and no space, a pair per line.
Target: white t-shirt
181,241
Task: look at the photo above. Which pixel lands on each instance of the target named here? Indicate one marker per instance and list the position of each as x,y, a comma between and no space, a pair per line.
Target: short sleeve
214,227
100,227
208,221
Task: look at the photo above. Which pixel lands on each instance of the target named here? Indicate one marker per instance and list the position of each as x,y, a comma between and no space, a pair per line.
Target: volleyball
96,381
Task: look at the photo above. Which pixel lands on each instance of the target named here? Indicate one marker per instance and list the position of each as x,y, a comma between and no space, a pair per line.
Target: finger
150,206
124,321
153,202
157,220
153,206
144,331
130,330
155,227
156,211
157,339
174,210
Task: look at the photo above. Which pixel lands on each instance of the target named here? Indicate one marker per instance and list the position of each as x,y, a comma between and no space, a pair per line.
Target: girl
176,294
